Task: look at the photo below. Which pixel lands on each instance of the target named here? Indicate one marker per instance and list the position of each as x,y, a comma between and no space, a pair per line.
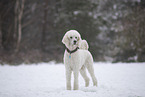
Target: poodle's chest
75,61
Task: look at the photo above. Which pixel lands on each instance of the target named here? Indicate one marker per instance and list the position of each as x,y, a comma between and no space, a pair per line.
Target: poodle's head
71,38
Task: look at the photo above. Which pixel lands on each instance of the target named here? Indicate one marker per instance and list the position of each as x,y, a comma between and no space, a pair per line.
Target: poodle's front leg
76,75
68,79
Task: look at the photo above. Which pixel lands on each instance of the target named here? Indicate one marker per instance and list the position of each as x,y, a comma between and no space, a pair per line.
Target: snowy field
48,80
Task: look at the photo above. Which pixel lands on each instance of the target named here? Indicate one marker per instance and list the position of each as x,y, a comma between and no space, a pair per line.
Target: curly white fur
79,61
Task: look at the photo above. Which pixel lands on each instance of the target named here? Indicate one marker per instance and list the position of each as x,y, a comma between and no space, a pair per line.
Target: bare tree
45,7
18,20
0,34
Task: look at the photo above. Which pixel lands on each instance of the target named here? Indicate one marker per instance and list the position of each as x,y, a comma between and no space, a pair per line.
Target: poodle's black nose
75,42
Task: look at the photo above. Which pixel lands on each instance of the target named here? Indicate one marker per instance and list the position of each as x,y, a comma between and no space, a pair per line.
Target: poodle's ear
65,40
79,39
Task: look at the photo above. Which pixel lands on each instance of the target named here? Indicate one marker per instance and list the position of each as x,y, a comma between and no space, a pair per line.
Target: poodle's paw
75,87
68,87
87,82
95,83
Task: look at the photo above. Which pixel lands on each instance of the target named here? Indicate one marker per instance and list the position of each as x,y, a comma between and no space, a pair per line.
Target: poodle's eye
70,37
75,37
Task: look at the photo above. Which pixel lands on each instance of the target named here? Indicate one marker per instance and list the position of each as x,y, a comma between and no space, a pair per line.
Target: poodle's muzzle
75,42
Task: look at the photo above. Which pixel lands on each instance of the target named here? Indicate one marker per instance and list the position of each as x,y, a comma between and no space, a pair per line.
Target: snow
48,80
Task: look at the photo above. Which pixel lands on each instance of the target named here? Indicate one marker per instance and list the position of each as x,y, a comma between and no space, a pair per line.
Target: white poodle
77,58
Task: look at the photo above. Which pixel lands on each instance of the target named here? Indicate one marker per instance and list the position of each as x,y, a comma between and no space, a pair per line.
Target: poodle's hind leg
84,75
90,68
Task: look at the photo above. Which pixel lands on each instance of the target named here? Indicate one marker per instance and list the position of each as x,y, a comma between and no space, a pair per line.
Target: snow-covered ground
48,80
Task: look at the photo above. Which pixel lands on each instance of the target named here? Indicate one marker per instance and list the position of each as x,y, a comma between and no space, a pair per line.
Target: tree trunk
0,34
44,24
19,8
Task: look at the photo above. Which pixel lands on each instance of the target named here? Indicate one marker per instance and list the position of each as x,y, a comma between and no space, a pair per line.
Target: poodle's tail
84,45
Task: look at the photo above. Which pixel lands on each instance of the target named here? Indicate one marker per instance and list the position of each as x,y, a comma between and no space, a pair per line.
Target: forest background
31,30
